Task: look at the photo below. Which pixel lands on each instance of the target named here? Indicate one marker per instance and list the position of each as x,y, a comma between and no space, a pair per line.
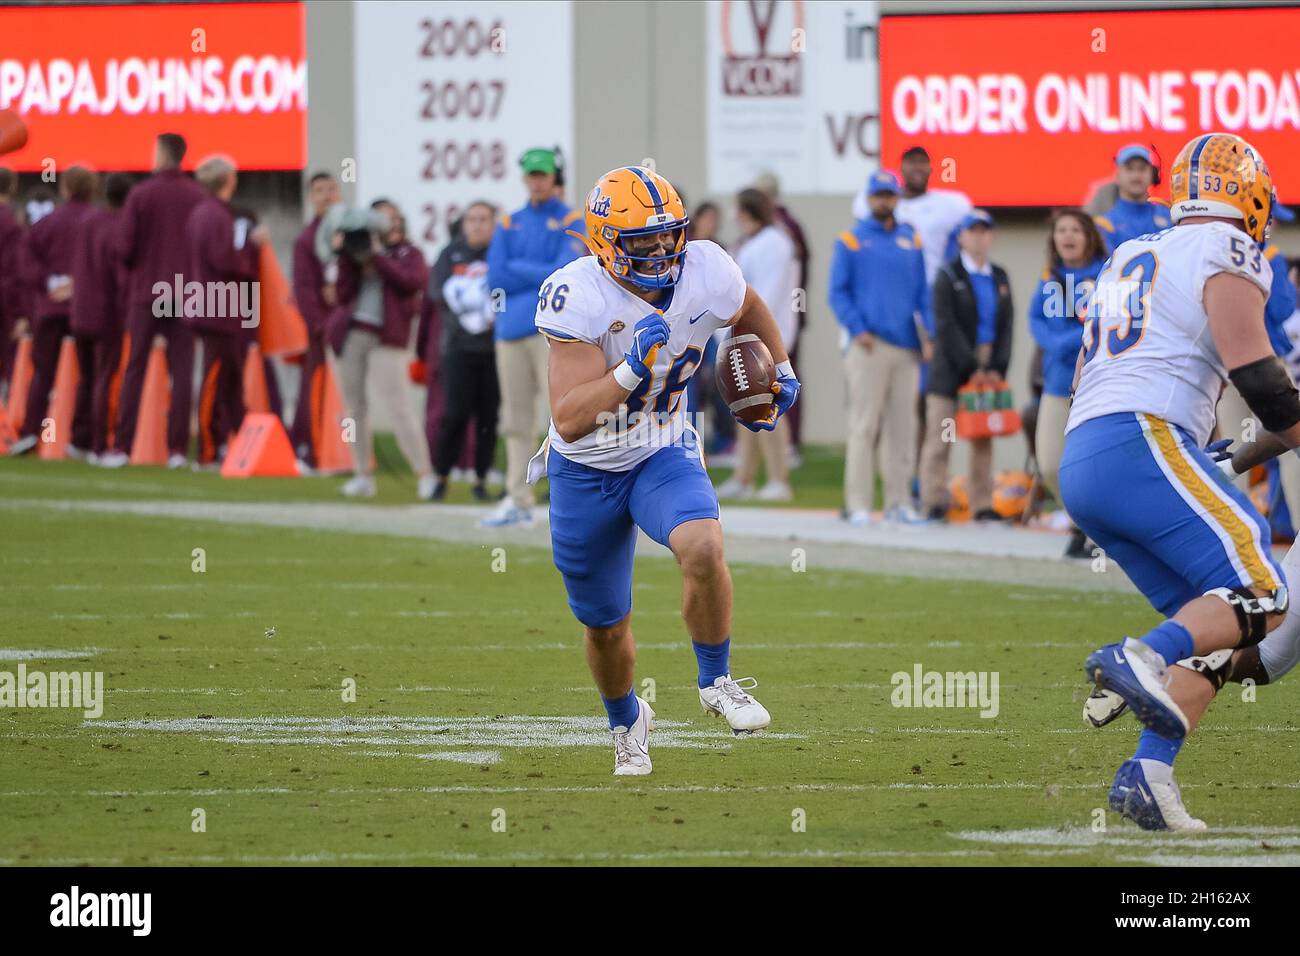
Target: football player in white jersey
627,328
1174,315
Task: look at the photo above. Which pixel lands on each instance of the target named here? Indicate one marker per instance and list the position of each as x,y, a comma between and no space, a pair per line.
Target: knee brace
1252,611
1215,667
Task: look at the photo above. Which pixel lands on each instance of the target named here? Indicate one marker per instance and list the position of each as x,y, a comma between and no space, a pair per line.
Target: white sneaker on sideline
177,461
507,515
859,519
358,486
425,486
734,490
22,446
305,469
728,698
775,491
904,514
77,454
113,459
632,744
462,474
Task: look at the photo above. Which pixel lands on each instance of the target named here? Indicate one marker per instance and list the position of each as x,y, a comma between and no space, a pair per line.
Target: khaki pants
940,412
1289,471
523,379
1049,440
1232,412
772,446
365,360
882,407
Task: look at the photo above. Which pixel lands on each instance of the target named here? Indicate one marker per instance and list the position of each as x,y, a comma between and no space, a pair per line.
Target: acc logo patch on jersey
618,326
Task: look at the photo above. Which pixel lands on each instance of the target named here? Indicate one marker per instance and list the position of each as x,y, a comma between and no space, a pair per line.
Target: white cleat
632,744
1144,791
728,698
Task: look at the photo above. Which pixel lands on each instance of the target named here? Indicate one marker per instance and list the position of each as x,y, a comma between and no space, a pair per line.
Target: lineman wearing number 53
1173,316
627,328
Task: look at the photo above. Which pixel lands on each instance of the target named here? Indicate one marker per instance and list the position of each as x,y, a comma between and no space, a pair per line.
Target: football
746,374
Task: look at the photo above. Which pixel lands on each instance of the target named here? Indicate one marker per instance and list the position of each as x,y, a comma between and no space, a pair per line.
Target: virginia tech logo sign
758,56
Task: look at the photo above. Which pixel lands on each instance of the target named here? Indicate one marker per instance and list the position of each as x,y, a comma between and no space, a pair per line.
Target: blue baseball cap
977,217
1133,151
883,181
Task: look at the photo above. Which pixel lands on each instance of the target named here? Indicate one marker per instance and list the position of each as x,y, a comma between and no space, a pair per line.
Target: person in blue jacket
880,297
1135,213
528,245
1075,255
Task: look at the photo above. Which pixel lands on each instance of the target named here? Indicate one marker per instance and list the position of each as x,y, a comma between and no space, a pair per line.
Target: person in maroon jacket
49,255
14,320
380,279
219,263
153,247
314,297
97,317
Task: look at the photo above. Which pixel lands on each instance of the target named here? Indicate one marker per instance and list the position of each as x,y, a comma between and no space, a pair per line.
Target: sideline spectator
14,316
1135,213
768,261
879,295
458,287
768,184
1075,255
380,277
218,260
49,260
98,314
315,297
934,214
153,248
972,343
527,246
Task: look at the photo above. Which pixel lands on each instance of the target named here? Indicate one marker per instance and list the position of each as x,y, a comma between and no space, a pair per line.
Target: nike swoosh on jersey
700,316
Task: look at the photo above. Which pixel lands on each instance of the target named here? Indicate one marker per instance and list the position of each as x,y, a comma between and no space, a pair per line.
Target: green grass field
225,693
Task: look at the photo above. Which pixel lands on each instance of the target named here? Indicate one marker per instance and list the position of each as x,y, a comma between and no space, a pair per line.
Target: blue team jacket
1126,220
528,246
1281,302
877,283
1055,324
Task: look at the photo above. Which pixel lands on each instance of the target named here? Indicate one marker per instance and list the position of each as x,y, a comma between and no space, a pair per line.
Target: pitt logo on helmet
1220,174
636,227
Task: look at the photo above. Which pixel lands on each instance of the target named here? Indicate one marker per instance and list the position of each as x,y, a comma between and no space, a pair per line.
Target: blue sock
623,711
1151,746
1171,641
714,661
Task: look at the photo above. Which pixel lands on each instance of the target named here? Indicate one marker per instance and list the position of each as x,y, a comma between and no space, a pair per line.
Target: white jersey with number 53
580,302
1147,343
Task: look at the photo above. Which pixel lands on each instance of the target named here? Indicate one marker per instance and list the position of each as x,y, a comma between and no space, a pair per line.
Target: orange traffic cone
63,402
20,383
150,445
332,454
280,328
261,450
255,394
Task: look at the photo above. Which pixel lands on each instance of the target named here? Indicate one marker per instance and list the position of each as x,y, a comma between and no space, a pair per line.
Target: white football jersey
581,302
1147,337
